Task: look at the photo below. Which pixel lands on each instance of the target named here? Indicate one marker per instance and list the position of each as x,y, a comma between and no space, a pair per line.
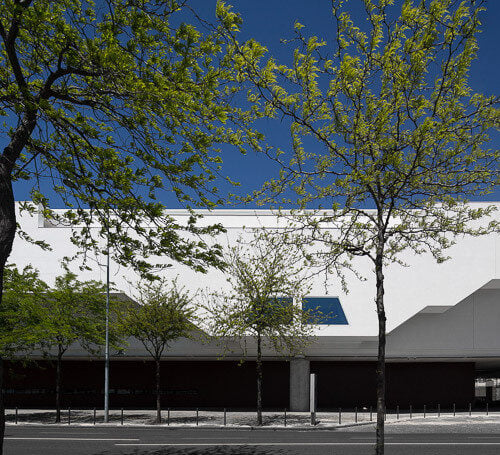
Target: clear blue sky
270,20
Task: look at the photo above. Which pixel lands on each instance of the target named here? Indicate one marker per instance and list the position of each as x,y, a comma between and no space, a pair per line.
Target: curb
325,427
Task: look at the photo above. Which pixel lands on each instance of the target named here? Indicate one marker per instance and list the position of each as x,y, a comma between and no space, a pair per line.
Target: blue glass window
328,310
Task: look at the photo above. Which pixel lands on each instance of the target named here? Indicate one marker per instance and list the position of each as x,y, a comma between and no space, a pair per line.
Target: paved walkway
202,418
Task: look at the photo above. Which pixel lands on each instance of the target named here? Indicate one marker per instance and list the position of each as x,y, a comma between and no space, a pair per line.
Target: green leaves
268,277
382,117
163,314
126,107
36,316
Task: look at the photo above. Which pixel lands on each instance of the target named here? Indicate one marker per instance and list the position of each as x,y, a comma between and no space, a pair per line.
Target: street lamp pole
106,347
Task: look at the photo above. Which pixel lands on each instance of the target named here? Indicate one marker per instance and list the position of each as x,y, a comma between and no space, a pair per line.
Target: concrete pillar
299,384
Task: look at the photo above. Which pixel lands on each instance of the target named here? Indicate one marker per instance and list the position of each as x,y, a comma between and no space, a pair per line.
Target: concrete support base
299,385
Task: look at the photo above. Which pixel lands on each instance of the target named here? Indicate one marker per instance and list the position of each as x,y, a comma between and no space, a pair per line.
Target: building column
299,384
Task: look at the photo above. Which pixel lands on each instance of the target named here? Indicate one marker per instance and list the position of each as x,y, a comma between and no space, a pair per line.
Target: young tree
71,312
268,279
113,106
383,117
35,316
164,314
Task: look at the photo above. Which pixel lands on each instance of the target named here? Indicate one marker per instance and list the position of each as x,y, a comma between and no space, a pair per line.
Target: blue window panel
330,310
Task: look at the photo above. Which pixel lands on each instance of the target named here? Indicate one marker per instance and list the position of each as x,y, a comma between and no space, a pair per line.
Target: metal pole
397,411
470,409
486,408
439,410
454,409
285,417
411,411
424,411
371,414
356,414
16,416
69,416
225,421
95,410
106,347
168,416
340,416
122,417
197,414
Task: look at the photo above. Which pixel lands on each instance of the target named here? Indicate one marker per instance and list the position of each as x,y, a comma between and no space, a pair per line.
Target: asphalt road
45,440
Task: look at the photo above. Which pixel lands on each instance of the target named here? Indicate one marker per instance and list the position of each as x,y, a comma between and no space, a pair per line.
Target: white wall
468,329
475,261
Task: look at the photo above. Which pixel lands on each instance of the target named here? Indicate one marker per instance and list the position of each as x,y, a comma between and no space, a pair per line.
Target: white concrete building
442,320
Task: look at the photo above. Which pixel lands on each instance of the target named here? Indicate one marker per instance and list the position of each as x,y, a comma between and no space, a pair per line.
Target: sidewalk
215,419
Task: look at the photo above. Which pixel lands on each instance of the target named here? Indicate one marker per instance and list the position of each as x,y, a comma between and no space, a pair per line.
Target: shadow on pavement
216,450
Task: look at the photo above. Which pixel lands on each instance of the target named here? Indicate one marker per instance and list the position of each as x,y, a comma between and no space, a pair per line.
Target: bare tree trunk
158,392
58,385
379,447
7,233
258,366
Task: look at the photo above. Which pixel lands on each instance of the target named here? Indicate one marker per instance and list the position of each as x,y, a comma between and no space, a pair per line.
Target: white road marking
210,444
70,439
76,432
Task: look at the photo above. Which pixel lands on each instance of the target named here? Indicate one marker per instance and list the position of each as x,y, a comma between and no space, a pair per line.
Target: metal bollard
356,414
424,410
340,416
95,411
411,413
225,421
197,414
168,416
285,417
470,409
454,409
439,410
16,416
122,417
69,416
397,412
371,414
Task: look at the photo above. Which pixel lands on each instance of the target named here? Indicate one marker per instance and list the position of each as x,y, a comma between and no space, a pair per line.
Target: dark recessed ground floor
230,384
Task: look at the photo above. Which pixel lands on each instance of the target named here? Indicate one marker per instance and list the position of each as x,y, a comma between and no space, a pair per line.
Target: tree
23,292
71,312
35,316
268,280
113,107
385,118
163,315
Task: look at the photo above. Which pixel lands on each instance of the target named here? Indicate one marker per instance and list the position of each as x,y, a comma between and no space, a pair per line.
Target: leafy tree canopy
115,106
23,293
164,313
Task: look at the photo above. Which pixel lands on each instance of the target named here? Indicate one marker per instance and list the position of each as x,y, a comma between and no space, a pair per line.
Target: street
42,440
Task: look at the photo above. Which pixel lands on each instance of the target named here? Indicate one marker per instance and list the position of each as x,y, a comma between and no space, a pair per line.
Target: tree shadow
215,450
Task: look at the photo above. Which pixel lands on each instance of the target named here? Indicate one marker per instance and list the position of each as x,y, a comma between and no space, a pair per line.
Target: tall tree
164,314
382,118
267,278
112,107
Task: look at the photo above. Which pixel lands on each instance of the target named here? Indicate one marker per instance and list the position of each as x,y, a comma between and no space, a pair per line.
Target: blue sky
268,21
